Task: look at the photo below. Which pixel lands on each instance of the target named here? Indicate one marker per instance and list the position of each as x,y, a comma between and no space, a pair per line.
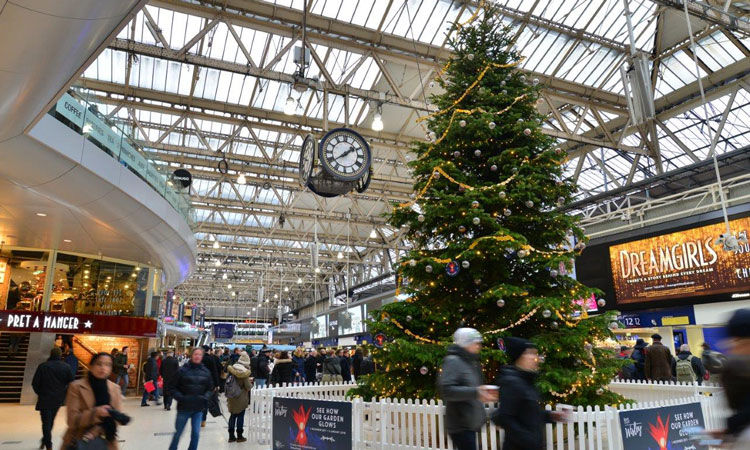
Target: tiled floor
151,429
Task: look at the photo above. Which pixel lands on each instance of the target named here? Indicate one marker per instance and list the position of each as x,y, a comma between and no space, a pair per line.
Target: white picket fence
643,391
415,424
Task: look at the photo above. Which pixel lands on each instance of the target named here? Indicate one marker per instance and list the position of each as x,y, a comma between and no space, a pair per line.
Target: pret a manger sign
683,264
25,321
55,322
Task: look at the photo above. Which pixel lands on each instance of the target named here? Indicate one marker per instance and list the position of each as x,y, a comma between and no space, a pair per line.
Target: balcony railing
83,117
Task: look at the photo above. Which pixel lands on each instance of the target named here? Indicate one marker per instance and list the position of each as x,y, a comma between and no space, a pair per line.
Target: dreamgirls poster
311,424
662,428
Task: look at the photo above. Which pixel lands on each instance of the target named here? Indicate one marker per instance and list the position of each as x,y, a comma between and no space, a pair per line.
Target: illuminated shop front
66,282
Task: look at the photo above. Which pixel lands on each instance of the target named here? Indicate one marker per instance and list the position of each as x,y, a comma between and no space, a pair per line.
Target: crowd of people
655,362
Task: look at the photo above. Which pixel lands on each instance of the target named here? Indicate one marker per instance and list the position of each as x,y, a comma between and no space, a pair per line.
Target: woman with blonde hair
298,360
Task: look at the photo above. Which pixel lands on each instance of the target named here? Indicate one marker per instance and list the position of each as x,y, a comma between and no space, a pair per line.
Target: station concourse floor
151,429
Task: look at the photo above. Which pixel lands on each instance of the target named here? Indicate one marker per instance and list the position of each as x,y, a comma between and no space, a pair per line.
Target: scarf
101,397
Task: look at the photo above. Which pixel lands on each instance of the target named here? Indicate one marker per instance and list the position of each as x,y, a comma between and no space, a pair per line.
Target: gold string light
472,17
523,319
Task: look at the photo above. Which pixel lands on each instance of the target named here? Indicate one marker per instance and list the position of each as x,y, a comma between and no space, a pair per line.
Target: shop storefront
73,283
83,334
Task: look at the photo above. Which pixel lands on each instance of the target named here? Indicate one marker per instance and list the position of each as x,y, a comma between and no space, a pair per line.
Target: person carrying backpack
688,368
237,390
712,360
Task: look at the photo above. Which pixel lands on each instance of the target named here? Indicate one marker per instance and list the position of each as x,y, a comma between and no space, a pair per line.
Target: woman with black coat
311,367
357,363
283,369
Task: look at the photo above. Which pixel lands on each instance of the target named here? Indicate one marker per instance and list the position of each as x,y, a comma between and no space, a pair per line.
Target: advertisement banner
169,303
661,428
181,311
203,318
683,264
311,424
49,322
223,330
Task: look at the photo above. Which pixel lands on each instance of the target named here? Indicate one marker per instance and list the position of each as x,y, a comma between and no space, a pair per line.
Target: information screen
686,263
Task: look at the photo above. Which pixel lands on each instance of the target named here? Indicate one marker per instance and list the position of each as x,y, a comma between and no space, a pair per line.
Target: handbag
96,443
149,386
160,382
214,406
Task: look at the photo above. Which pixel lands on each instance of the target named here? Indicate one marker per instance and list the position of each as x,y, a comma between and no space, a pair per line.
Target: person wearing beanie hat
239,384
520,414
461,387
659,361
50,384
639,358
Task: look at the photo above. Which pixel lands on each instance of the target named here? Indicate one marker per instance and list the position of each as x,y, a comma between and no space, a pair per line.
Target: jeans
144,400
48,420
237,421
260,382
464,440
123,376
195,428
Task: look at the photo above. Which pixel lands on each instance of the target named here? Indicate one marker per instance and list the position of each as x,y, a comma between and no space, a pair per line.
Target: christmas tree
490,251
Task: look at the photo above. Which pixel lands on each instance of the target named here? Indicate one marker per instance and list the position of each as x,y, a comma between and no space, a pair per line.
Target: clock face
344,154
364,182
307,159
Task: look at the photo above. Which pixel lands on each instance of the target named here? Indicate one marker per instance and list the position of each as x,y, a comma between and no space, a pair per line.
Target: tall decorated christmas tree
491,250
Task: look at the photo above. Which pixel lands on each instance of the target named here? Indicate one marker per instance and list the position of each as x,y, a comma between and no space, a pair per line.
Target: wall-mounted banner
661,428
169,303
311,424
181,311
682,264
28,321
203,317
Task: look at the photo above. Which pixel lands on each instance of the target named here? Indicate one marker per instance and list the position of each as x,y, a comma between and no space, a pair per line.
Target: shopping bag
149,386
214,406
160,383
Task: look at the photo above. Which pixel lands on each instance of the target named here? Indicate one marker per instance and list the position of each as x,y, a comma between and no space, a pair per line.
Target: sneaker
203,424
241,438
144,404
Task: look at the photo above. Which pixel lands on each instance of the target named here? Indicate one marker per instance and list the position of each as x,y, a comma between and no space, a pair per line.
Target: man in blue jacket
192,387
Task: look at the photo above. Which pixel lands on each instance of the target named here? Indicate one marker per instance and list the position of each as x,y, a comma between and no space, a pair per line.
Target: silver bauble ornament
412,263
546,313
418,234
456,154
560,201
504,92
614,325
428,268
423,370
554,325
553,273
558,151
535,81
436,174
408,318
522,78
475,204
493,168
478,281
477,153
465,264
529,204
470,56
432,84
506,212
500,303
412,195
514,170
502,194
420,218
462,229
476,221
523,253
461,123
502,83
492,125
433,135
527,132
599,391
601,302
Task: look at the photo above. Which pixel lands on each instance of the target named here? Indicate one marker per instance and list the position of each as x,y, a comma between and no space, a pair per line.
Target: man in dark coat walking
151,373
520,413
192,387
462,388
168,370
262,367
639,358
659,361
213,368
50,384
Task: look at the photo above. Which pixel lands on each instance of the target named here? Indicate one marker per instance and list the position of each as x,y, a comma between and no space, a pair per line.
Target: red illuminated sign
29,321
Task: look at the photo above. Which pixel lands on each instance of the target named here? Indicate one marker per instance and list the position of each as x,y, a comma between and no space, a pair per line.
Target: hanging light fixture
299,280
217,263
224,277
290,107
373,234
229,286
241,179
216,244
377,121
340,255
317,270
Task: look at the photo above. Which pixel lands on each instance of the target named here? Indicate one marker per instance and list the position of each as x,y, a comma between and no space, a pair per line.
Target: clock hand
351,149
